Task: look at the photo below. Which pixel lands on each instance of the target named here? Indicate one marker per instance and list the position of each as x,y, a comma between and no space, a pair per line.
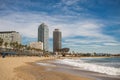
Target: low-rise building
36,45
10,36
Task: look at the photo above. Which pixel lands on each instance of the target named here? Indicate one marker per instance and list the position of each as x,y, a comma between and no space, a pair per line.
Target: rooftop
56,30
7,31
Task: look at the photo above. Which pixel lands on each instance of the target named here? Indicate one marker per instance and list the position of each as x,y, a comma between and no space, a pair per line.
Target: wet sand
56,67
25,68
44,68
38,72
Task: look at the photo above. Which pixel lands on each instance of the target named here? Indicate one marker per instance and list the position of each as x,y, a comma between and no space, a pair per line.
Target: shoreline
79,72
25,68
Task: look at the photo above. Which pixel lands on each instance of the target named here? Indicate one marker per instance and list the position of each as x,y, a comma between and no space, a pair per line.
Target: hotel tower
56,40
43,35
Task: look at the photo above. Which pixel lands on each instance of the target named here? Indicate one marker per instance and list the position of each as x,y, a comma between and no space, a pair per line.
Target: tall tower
56,40
43,35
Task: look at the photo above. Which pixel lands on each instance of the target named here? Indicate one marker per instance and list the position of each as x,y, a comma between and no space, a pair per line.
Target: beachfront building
43,36
57,40
36,45
10,36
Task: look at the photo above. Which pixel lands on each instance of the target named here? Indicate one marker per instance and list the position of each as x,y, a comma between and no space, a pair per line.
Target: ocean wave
90,66
46,64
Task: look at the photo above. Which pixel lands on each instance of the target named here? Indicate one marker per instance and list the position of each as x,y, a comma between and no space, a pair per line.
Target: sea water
109,66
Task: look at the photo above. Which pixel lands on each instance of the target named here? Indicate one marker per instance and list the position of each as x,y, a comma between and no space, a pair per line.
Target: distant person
3,55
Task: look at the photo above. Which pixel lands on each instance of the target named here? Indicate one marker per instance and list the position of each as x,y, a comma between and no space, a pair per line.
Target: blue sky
86,25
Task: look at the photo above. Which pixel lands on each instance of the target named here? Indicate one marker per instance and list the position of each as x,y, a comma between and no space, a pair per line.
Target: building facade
43,35
57,38
10,36
36,45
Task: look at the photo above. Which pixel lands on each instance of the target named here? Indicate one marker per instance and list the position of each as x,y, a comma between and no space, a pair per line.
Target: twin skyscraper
43,36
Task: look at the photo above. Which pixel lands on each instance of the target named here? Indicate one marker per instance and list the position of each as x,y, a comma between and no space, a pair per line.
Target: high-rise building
10,36
57,40
43,35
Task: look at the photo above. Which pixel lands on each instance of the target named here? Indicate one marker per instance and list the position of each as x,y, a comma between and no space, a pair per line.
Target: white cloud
84,29
70,2
73,20
112,44
27,24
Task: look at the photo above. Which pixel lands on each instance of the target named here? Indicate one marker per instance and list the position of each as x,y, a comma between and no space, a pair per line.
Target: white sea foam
46,64
90,66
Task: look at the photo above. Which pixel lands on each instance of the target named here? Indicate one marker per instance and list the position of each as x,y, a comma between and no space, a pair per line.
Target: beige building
37,45
10,36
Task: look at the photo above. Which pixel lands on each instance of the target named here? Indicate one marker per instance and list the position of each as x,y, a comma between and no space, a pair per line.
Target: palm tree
28,47
11,44
19,47
1,41
6,44
16,45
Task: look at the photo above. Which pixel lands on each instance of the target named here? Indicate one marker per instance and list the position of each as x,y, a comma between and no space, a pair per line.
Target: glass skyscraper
43,35
57,40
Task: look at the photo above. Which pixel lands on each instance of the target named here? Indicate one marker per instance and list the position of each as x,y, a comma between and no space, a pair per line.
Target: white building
37,45
10,36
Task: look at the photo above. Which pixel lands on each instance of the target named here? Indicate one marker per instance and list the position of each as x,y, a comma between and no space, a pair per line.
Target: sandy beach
25,68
